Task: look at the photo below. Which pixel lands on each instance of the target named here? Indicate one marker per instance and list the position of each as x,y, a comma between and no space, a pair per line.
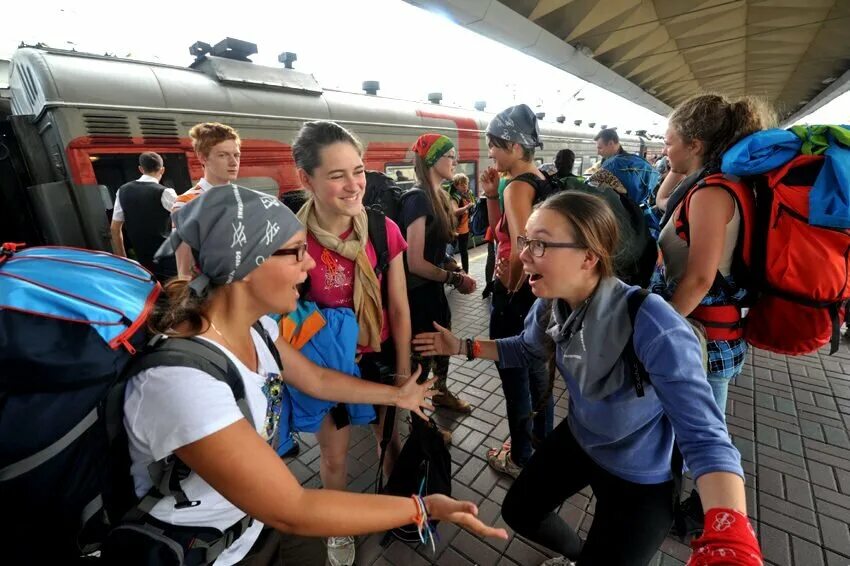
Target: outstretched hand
416,396
440,343
462,513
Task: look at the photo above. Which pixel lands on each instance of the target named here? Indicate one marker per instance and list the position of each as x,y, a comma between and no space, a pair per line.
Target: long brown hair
180,305
443,225
719,123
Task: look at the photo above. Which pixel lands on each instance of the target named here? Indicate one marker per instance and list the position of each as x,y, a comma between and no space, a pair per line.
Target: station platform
789,417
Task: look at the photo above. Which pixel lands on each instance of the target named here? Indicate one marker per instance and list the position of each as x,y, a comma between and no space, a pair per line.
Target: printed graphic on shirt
273,390
336,275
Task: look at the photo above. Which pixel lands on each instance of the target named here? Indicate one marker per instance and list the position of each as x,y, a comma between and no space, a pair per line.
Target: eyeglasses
450,157
298,252
538,247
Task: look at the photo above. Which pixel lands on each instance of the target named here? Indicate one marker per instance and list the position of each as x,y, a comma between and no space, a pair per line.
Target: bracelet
448,276
423,523
476,349
470,349
488,197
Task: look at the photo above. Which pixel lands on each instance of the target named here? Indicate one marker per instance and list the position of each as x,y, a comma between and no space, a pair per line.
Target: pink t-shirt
332,280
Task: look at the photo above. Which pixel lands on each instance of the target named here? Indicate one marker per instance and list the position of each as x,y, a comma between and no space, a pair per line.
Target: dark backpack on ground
423,467
70,323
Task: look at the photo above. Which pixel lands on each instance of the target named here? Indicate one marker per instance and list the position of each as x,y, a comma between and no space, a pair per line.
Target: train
74,124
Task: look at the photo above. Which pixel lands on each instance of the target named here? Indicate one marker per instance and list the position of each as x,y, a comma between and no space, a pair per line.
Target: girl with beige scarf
330,168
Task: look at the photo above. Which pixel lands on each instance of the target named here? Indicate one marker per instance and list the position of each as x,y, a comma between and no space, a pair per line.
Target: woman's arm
399,315
238,464
711,209
331,385
722,489
519,198
444,343
668,185
416,261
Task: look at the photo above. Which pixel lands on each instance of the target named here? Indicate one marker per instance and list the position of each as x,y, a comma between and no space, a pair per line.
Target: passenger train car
78,123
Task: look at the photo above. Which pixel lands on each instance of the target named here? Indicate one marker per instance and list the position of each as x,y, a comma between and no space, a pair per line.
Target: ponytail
719,123
179,305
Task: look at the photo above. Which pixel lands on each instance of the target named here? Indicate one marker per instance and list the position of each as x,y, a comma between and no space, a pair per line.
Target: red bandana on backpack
797,274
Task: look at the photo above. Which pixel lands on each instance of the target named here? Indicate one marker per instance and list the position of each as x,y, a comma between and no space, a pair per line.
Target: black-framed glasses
298,252
538,247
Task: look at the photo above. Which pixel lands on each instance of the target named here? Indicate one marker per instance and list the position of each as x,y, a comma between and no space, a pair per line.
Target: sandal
502,463
506,447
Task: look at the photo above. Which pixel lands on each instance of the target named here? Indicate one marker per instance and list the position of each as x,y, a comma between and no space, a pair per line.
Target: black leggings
630,521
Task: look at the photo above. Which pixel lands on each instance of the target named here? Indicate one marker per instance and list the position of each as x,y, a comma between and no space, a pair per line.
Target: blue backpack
71,322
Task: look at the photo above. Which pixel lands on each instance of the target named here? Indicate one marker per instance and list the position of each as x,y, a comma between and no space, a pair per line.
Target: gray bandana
517,124
591,338
231,230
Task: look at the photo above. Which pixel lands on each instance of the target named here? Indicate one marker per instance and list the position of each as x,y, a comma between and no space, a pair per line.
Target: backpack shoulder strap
378,237
193,353
261,330
639,374
744,198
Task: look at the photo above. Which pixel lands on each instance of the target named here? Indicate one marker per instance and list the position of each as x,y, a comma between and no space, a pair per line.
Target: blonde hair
208,134
719,122
460,179
593,224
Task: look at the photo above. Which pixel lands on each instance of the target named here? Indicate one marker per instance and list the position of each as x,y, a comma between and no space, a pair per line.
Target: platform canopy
793,53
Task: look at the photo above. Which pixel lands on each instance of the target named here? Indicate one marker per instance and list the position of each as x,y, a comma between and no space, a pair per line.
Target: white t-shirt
169,407
166,200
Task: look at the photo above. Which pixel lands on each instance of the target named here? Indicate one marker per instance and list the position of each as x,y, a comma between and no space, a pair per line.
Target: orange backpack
797,275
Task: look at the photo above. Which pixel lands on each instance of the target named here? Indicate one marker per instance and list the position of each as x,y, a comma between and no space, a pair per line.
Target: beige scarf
367,290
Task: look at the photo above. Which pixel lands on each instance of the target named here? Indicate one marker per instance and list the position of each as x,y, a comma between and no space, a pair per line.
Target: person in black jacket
143,209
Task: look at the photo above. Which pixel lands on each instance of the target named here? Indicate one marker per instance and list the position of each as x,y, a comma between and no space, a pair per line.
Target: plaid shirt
725,357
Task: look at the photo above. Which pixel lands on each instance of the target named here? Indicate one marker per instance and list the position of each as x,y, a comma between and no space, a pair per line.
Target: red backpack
797,275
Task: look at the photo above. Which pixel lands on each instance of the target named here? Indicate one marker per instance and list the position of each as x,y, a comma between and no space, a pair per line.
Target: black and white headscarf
516,124
232,231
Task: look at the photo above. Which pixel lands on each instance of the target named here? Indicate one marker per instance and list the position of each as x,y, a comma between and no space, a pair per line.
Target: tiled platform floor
789,418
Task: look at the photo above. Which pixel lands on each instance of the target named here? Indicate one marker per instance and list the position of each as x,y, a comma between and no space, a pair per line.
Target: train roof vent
29,84
107,128
247,74
159,130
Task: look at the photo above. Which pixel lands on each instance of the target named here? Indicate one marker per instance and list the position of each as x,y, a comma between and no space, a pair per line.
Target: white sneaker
341,551
557,561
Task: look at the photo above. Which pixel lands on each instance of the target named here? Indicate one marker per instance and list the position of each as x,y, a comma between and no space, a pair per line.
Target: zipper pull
128,346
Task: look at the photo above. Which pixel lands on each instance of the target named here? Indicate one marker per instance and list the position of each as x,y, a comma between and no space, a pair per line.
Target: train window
401,172
115,169
263,184
577,170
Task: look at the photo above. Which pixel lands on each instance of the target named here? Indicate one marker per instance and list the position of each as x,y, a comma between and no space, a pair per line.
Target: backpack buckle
9,248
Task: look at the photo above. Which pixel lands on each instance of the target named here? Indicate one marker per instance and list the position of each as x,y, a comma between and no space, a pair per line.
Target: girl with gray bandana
617,438
251,253
512,137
